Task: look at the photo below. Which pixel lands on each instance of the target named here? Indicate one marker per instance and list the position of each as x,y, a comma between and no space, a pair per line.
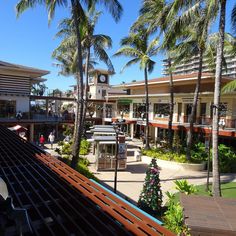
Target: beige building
131,106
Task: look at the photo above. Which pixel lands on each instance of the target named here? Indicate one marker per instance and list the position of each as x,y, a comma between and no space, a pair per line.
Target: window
7,109
138,109
223,109
104,93
203,109
122,109
161,110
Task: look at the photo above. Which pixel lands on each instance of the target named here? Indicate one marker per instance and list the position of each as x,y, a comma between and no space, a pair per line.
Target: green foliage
60,143
150,199
66,148
164,154
68,130
82,167
227,159
174,217
198,153
184,187
84,147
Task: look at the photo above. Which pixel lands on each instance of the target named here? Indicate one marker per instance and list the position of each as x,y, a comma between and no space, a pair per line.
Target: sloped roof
13,66
192,76
59,200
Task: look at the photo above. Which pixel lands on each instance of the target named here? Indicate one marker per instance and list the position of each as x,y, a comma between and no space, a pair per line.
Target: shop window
138,110
123,109
7,109
161,110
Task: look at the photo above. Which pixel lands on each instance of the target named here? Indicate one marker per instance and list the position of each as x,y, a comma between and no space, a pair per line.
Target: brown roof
192,76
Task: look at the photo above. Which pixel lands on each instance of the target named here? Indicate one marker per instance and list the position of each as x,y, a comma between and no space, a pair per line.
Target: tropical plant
137,46
174,217
184,187
153,14
78,16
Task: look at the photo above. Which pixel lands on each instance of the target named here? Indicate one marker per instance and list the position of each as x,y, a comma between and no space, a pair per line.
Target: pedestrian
41,140
51,139
18,115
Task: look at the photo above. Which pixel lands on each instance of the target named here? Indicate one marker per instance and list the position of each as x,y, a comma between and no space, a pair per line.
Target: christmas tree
150,199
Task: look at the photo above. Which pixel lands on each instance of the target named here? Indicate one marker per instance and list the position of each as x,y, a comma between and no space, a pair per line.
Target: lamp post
116,128
208,148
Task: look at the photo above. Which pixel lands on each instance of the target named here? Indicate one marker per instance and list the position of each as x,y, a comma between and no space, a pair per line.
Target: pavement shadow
137,168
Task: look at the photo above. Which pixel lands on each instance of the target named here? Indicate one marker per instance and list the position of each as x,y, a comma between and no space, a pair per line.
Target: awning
124,101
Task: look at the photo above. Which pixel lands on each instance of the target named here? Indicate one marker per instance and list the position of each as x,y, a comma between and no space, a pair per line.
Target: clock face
102,78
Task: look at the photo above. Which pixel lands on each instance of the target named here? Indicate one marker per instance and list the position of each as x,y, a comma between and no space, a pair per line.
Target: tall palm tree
78,16
194,43
215,119
154,14
137,46
98,43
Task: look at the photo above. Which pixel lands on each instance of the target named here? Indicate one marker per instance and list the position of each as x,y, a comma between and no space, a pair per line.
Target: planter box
175,165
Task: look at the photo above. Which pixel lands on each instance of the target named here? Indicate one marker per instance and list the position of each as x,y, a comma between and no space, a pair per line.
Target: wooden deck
208,216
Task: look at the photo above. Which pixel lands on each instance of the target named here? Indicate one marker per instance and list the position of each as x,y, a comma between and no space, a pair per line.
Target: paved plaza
130,181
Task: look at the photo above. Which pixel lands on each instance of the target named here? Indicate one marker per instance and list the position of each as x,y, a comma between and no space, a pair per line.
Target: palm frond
229,88
129,63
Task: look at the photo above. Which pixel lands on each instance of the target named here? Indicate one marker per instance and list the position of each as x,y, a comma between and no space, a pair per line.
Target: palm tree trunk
147,146
170,132
79,112
194,107
216,190
86,86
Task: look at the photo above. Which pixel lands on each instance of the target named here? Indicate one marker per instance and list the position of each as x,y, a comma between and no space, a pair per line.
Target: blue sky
29,40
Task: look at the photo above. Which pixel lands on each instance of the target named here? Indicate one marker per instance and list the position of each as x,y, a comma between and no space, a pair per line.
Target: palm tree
215,119
98,43
78,16
137,46
154,14
194,43
230,49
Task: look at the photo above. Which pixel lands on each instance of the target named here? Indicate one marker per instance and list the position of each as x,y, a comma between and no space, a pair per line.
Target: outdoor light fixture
116,128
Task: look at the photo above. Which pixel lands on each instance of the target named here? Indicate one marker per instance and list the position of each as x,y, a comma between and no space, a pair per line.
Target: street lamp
116,128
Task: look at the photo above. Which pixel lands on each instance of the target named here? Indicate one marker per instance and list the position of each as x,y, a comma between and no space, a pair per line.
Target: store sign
124,101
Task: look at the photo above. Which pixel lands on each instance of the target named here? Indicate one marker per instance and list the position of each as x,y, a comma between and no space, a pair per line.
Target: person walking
41,140
51,139
18,115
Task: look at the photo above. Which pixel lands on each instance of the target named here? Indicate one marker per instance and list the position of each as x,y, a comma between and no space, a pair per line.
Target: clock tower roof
101,71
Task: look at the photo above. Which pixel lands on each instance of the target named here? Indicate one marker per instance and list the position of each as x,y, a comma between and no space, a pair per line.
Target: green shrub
198,154
84,147
82,167
184,187
174,217
165,155
227,159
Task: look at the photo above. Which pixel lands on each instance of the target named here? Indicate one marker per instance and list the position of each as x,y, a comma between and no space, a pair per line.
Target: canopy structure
60,201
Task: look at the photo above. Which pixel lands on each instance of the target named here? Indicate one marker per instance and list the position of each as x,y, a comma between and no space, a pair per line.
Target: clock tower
99,83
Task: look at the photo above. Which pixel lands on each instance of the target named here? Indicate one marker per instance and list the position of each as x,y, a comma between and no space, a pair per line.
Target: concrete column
31,137
156,134
132,131
131,110
103,113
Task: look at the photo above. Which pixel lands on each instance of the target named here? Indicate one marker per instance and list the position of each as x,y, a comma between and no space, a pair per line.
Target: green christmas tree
150,199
